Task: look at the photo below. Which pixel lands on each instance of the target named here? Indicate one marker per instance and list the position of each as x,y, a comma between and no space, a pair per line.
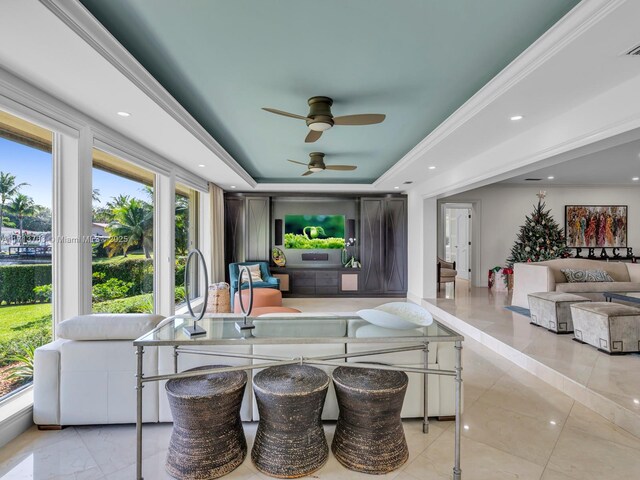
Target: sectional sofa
548,277
87,376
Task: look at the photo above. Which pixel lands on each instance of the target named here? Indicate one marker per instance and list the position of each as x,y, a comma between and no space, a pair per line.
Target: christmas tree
540,238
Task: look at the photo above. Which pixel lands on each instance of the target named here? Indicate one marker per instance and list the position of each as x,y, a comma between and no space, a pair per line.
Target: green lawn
18,319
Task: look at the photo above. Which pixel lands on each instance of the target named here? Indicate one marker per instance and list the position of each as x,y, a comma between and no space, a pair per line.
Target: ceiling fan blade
341,167
286,114
299,163
308,172
312,136
363,119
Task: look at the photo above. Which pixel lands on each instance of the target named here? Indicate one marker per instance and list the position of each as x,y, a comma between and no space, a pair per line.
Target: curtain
216,194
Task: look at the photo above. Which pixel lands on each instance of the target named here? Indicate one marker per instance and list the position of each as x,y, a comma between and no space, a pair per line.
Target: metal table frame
413,343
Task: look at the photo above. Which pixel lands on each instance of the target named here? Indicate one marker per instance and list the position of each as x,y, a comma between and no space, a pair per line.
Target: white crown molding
506,171
80,21
24,100
580,18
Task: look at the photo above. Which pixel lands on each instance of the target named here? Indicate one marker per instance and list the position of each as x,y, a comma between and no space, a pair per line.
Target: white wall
504,208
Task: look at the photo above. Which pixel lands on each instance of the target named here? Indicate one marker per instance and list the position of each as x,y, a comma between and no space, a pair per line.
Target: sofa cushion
576,275
617,270
254,271
598,287
107,326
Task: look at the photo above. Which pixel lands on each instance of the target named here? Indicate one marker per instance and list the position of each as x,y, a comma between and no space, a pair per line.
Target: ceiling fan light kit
320,119
316,164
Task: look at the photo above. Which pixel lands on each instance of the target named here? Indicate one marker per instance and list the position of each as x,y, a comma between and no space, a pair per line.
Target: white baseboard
16,415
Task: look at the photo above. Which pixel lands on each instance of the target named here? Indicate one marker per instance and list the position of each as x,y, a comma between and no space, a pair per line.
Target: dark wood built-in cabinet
381,246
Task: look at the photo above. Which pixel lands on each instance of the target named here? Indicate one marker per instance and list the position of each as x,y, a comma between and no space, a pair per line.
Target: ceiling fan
320,117
316,164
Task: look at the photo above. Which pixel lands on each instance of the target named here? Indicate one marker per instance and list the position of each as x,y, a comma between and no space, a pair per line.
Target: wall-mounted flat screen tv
308,232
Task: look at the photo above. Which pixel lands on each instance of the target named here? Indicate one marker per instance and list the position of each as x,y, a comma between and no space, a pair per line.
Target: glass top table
302,329
622,296
221,330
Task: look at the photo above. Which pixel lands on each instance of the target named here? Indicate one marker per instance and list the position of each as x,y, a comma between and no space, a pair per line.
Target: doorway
457,238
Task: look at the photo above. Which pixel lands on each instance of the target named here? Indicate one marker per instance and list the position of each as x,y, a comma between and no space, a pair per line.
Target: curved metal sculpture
246,326
196,329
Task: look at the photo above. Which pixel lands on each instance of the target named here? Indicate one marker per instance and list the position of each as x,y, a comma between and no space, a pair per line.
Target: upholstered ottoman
610,327
262,297
551,310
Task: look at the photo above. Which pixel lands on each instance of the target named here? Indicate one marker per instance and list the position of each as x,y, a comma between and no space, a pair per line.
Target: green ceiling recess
416,61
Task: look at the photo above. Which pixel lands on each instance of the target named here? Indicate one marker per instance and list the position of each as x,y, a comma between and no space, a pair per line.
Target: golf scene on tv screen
313,231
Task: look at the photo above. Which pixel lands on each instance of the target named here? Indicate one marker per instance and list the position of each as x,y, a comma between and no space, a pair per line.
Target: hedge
18,281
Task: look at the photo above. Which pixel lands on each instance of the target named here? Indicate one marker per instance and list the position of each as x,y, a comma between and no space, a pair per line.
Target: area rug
520,310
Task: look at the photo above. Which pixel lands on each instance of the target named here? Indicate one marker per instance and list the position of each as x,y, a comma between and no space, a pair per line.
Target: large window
26,171
122,230
186,238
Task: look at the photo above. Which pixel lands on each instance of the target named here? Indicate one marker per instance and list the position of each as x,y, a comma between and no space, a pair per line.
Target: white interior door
462,242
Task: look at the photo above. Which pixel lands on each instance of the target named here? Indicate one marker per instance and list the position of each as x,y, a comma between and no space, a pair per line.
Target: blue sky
35,168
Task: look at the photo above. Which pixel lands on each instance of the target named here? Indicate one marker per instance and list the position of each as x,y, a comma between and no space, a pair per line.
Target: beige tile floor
608,384
516,427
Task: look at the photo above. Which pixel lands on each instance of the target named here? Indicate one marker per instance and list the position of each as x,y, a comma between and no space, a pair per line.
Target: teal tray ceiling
416,61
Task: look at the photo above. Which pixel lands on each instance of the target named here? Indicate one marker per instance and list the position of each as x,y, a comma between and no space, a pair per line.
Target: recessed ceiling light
635,179
432,167
552,422
515,118
636,401
396,188
124,114
466,427
201,165
550,177
233,186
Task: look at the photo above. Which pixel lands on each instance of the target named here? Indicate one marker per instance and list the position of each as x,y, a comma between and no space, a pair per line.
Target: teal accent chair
267,280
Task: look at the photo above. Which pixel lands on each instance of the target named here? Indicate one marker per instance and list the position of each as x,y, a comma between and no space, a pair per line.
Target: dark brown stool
369,436
290,440
207,440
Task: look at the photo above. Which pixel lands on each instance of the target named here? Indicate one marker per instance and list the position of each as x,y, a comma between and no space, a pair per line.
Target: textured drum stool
369,436
552,311
207,439
290,441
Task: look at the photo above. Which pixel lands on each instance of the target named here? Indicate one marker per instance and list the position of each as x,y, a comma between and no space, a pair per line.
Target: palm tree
8,189
22,206
132,225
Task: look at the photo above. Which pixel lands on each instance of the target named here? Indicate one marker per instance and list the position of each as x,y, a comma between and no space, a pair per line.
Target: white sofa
548,277
89,381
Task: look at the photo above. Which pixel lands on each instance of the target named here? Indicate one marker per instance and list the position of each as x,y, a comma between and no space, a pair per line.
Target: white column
429,247
72,203
414,246
164,244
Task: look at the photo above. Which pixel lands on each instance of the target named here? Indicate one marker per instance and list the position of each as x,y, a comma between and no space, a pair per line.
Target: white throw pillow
254,270
108,326
398,315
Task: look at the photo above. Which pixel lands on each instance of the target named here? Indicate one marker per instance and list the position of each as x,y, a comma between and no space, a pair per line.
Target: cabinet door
327,283
234,230
395,254
257,236
303,283
372,245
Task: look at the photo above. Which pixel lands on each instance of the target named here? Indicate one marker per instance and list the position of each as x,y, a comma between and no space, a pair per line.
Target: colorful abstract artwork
596,226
